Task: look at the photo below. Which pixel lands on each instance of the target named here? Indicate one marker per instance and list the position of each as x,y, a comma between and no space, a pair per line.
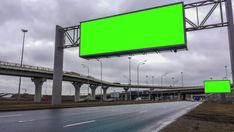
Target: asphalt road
123,118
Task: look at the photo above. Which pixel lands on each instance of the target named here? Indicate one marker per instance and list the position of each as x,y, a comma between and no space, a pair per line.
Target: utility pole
21,62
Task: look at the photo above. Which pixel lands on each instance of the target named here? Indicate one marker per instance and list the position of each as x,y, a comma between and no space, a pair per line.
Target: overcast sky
208,50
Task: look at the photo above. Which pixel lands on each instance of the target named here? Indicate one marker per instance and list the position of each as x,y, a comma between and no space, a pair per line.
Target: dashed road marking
6,116
25,121
80,123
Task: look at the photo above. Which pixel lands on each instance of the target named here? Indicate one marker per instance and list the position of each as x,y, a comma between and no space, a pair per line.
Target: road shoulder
207,117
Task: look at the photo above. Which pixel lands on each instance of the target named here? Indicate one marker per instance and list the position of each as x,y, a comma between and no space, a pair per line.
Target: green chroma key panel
149,30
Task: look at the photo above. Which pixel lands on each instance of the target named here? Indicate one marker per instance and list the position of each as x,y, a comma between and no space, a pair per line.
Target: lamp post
146,79
173,81
138,70
152,80
162,78
101,79
182,79
130,77
226,76
85,66
21,62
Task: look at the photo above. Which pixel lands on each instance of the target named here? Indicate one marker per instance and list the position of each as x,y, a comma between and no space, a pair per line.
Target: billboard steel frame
72,35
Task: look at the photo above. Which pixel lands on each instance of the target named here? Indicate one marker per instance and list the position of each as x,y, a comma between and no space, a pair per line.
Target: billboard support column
230,33
58,66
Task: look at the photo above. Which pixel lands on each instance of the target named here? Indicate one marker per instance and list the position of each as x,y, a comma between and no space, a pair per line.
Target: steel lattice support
73,36
201,24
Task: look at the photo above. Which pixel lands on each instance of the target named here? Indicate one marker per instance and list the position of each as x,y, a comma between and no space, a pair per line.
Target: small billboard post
218,86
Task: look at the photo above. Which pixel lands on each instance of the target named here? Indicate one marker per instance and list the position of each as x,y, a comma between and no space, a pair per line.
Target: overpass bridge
40,74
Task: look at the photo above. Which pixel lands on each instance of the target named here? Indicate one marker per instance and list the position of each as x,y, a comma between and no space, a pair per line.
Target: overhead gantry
72,35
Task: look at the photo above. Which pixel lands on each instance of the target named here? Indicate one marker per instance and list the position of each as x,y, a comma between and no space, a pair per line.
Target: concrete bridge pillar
126,93
150,94
38,87
77,86
93,89
184,96
179,96
104,88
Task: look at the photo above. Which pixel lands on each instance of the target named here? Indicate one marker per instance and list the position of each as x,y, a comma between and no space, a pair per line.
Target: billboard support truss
72,35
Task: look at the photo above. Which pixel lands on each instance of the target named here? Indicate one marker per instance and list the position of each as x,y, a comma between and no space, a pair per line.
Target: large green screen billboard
149,30
217,86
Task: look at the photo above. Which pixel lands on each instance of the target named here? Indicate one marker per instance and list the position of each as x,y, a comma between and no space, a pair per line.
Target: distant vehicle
138,99
90,77
73,73
197,98
116,83
110,100
45,98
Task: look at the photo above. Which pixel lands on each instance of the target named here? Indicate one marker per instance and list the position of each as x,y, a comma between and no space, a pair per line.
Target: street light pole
101,79
85,66
226,72
130,77
182,79
152,80
162,78
146,79
173,81
21,62
138,72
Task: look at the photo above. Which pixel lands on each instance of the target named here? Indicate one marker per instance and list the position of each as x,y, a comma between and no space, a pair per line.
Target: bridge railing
16,65
3,63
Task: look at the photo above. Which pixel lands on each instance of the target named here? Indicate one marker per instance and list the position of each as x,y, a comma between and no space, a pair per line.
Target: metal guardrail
16,65
25,66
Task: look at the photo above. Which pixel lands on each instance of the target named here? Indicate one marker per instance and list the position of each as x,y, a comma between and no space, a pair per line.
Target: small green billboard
149,30
217,86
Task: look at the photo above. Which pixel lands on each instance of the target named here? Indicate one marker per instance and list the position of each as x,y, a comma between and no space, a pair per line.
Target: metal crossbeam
72,33
202,25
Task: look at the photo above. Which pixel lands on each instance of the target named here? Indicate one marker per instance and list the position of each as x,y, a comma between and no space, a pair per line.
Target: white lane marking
6,116
25,121
80,123
144,111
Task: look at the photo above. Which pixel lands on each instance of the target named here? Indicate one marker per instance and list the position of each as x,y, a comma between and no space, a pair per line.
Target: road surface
122,118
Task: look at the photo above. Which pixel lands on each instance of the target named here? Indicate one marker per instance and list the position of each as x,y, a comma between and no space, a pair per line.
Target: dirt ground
208,117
